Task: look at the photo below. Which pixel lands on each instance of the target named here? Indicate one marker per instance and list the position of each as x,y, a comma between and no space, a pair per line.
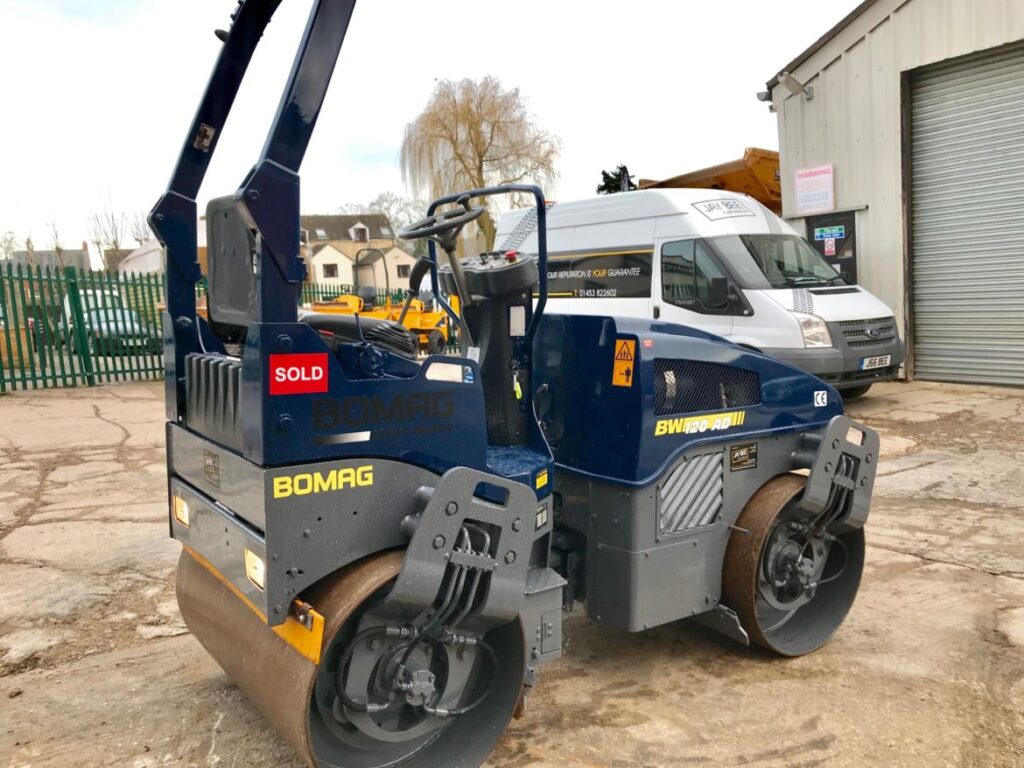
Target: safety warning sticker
625,357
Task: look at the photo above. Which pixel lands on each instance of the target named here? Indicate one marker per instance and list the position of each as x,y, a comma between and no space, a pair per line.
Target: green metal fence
67,327
63,328
313,292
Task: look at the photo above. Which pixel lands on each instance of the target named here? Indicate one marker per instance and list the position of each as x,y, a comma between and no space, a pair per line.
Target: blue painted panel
406,417
611,431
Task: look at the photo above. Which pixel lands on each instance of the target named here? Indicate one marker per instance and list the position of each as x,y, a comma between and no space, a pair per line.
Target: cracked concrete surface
96,668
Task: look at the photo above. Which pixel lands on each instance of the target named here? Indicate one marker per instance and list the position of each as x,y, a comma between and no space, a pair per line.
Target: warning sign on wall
814,189
625,357
830,247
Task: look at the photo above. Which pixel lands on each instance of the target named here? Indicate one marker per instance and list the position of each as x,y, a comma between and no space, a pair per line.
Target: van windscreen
774,261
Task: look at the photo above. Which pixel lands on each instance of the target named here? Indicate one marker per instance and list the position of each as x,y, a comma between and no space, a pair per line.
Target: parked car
720,262
116,331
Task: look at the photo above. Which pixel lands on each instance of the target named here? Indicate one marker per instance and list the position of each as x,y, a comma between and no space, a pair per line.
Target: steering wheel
440,223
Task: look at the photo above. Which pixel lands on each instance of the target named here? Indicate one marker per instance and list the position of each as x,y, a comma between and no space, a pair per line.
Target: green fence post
67,328
153,284
20,323
5,318
32,329
54,352
78,325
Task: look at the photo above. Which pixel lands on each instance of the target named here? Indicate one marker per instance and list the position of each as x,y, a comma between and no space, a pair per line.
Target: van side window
686,271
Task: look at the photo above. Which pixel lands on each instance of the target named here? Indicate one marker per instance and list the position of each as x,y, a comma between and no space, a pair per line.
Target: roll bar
268,198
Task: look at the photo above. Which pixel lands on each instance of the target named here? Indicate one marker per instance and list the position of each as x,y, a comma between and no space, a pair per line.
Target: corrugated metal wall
967,140
854,122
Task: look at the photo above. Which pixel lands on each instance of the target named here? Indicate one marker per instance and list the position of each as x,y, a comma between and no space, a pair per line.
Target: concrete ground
96,668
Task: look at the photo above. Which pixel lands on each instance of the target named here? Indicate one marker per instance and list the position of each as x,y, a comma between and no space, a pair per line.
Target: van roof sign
723,208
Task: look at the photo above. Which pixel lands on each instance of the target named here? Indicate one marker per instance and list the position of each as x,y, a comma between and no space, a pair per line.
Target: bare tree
8,245
476,134
401,211
107,229
55,244
140,228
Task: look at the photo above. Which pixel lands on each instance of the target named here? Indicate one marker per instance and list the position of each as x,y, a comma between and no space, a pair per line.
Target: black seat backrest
368,293
230,250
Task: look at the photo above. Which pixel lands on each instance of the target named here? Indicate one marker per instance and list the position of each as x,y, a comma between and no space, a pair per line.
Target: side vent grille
211,386
691,495
691,386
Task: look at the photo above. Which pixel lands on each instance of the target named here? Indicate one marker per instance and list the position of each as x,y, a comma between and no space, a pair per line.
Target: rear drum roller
319,709
790,583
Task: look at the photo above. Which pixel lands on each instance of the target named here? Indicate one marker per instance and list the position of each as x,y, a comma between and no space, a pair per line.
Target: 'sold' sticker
298,374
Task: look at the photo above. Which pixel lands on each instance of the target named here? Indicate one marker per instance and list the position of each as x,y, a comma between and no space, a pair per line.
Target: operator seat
231,279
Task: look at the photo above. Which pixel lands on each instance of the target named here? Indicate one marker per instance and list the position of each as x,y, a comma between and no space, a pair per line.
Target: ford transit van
717,261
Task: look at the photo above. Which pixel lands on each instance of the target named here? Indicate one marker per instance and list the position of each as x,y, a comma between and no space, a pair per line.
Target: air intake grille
690,386
211,387
691,496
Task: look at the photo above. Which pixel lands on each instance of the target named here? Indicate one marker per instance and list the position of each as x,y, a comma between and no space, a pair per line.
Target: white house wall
329,255
854,120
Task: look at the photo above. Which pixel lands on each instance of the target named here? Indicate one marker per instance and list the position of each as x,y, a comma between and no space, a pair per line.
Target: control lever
416,275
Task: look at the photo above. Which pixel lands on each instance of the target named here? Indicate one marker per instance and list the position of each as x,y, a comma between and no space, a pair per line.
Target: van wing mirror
718,292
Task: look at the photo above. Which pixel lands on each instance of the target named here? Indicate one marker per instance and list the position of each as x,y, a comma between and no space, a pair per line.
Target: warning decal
625,356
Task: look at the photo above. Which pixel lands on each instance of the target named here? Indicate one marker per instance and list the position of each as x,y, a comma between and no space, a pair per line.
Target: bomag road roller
378,549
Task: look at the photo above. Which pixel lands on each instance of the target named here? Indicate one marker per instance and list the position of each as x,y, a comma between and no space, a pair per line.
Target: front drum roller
790,583
289,689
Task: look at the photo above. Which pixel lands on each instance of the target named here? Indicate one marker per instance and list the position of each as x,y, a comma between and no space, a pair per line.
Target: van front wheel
854,392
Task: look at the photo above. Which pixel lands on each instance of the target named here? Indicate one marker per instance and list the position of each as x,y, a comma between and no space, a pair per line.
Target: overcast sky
96,95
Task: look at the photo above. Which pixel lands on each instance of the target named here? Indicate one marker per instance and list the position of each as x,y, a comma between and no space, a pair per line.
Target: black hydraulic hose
471,596
339,684
846,559
492,667
443,611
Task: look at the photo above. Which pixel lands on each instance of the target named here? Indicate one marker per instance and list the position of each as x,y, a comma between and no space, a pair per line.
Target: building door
967,218
834,236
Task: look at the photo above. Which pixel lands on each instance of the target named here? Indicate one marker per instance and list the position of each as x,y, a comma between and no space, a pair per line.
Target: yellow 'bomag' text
306,483
693,425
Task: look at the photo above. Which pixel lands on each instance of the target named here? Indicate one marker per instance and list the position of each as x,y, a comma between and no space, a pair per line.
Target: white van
717,261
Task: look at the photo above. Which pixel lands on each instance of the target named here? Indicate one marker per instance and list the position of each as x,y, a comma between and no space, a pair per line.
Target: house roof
337,226
322,247
401,246
69,257
821,42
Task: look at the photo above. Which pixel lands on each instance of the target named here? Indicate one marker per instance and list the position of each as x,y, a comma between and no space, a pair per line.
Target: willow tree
474,133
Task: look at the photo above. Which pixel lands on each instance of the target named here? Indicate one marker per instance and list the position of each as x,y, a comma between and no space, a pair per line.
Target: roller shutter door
967,223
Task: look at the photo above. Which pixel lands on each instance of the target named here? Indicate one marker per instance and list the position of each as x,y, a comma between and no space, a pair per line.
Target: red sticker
298,374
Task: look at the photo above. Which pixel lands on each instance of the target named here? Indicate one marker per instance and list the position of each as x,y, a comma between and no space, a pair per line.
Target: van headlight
814,330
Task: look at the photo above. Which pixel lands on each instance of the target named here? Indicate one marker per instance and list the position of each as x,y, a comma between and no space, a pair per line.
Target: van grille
690,386
868,333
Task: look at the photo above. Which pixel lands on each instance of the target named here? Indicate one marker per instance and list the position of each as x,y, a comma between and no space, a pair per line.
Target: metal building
901,135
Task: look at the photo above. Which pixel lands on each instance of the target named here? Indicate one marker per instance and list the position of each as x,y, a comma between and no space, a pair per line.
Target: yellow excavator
428,321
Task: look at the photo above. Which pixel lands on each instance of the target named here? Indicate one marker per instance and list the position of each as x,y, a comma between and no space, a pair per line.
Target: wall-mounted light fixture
794,86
